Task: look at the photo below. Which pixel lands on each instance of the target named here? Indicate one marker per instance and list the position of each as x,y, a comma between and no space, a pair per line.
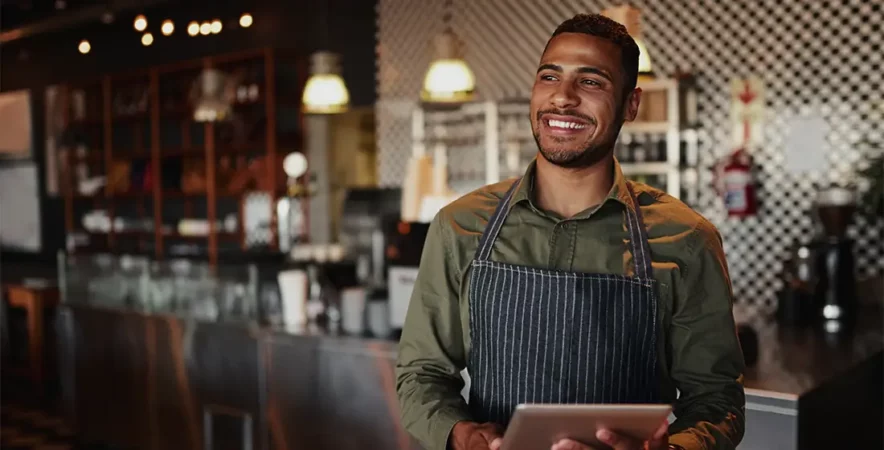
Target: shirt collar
525,191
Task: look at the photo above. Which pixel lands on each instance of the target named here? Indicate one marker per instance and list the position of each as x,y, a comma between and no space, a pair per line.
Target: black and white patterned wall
813,56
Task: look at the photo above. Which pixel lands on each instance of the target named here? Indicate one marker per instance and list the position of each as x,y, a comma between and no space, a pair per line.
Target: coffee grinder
835,290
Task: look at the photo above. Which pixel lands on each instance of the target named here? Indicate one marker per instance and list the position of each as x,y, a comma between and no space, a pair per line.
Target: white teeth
566,125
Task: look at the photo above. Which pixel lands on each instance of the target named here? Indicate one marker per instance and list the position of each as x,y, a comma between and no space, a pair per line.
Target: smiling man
572,284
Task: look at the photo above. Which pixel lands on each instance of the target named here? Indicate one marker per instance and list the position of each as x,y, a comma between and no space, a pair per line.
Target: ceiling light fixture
140,22
147,39
168,27
84,46
193,28
449,78
245,20
325,91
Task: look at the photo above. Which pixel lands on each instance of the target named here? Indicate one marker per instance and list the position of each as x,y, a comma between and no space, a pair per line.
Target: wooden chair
35,299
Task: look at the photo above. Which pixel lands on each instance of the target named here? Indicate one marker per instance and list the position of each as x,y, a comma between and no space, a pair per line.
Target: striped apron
552,336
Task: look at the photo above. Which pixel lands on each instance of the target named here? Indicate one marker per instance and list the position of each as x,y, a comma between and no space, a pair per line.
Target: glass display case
181,287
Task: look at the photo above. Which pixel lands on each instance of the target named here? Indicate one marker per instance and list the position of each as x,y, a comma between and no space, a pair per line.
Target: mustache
566,112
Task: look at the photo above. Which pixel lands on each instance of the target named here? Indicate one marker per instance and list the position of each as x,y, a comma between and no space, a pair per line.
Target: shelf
647,168
161,99
223,235
660,84
87,122
646,127
134,117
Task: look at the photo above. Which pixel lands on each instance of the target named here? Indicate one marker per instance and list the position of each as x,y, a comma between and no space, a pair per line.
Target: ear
633,100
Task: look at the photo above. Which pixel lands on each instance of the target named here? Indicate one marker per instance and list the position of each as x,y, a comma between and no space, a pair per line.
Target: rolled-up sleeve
707,363
432,349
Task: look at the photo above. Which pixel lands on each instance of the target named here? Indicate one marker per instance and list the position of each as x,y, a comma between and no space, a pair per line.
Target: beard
562,152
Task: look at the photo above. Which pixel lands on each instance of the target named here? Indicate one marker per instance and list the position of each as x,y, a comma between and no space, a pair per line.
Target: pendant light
449,78
630,18
325,91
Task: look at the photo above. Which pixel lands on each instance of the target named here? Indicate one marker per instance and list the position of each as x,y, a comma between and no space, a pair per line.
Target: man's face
578,103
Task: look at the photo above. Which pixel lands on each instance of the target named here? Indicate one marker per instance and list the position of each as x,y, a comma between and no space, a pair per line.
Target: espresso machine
834,265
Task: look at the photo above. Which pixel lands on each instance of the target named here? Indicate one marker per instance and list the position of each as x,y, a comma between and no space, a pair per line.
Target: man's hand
660,441
475,436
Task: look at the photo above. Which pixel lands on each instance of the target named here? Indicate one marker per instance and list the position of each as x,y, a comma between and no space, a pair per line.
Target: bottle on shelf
638,150
657,148
621,148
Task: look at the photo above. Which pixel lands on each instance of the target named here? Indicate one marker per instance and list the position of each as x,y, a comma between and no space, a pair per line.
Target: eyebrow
585,69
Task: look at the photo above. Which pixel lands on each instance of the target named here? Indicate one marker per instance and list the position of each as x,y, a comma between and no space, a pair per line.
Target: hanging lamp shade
325,91
644,60
449,78
630,18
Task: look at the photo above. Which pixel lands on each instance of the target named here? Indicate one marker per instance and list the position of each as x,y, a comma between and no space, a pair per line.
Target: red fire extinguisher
736,184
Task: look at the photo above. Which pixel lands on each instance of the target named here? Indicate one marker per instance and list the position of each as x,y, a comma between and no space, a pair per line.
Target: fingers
568,444
664,428
495,444
660,440
619,442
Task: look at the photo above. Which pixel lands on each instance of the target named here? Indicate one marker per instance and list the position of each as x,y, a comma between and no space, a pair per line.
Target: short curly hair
608,29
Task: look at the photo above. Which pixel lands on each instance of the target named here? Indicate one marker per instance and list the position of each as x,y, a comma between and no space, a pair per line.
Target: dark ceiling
26,18
17,13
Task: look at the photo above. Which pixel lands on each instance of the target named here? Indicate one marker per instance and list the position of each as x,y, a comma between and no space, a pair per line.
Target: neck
570,191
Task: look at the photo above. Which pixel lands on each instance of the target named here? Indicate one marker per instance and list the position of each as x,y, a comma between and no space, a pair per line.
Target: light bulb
449,80
205,28
193,28
168,27
215,28
245,20
84,46
294,164
140,23
147,39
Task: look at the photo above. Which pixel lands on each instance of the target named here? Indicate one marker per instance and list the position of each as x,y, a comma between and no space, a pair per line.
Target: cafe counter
139,380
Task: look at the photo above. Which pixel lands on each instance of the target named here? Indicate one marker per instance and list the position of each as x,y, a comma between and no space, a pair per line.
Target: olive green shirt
698,352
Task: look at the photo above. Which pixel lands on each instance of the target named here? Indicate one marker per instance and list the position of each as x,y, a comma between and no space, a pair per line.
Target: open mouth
557,124
565,124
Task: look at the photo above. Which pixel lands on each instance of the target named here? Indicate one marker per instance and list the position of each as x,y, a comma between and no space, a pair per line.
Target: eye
547,77
590,82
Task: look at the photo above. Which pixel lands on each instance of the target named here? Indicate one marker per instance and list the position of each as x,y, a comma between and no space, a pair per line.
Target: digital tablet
539,426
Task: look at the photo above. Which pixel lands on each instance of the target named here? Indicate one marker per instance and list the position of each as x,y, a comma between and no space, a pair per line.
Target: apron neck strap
638,236
483,253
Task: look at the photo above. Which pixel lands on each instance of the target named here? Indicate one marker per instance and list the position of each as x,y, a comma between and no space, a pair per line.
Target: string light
140,23
84,46
245,20
205,28
216,26
168,27
193,28
147,39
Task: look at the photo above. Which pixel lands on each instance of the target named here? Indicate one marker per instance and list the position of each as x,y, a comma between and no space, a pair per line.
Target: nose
565,97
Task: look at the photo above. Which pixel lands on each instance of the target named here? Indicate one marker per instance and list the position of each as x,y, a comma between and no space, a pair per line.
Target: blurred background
212,213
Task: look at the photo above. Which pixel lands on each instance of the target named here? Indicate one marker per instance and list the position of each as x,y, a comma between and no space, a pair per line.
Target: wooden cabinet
142,173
